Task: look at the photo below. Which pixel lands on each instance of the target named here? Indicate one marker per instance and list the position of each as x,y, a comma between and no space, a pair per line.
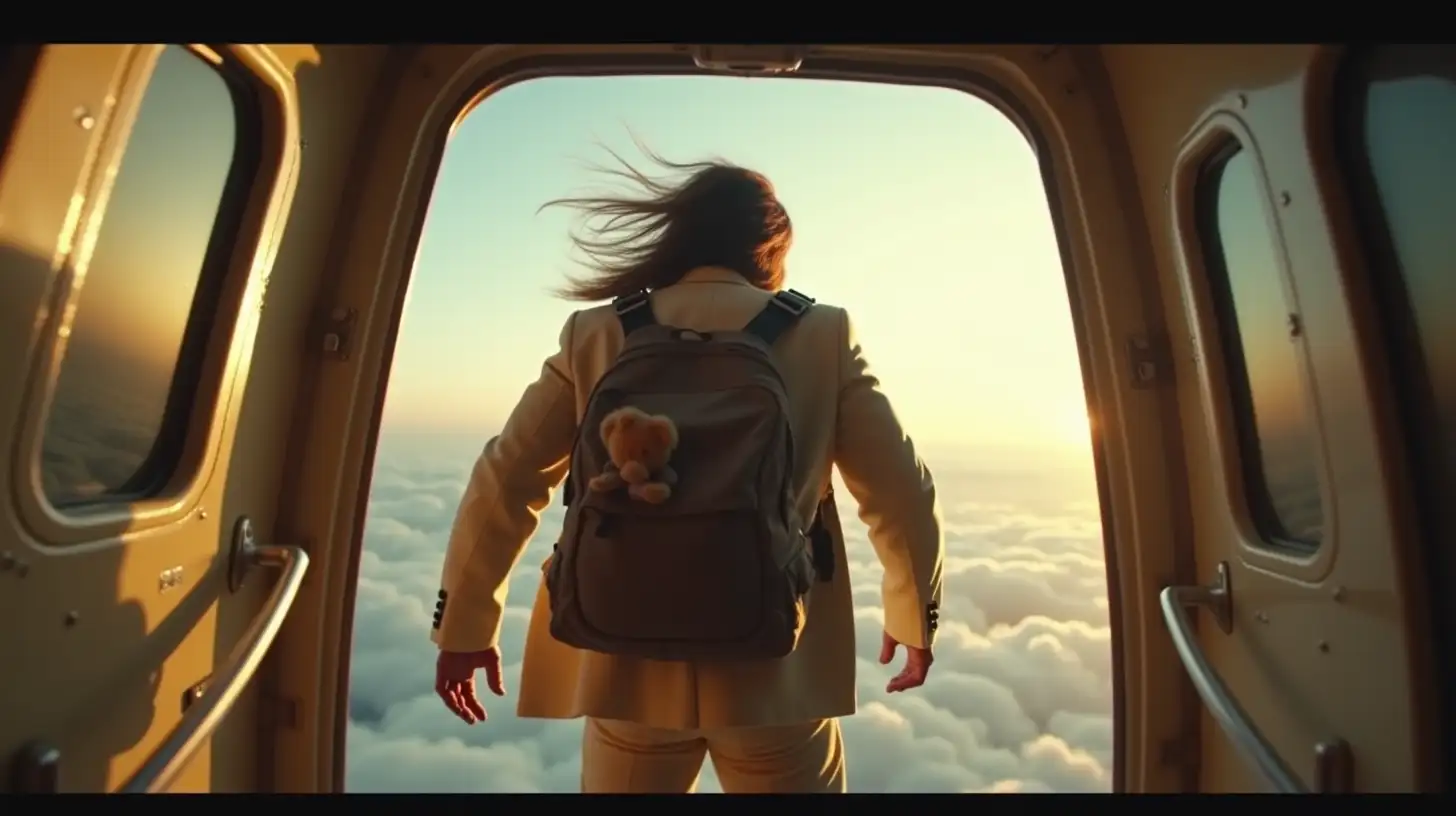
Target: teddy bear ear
609,425
664,432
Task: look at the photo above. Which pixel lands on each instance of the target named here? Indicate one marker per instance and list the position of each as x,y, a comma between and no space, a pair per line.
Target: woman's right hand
455,681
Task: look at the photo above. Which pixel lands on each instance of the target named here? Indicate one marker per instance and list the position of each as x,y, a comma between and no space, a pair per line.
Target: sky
911,206
919,210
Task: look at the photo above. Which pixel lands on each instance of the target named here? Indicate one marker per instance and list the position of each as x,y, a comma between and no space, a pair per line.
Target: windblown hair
715,214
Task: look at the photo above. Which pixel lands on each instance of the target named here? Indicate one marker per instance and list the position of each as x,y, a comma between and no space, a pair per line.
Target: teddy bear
639,445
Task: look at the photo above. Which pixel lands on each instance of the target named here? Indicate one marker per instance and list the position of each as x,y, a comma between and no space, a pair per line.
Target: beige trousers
621,757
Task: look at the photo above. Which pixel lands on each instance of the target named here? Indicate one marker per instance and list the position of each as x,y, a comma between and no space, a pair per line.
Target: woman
711,250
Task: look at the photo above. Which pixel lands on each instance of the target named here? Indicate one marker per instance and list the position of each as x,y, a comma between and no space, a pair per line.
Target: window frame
1221,125
219,358
1256,495
191,392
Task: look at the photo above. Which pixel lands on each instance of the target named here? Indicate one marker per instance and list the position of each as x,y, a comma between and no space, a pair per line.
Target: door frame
1060,99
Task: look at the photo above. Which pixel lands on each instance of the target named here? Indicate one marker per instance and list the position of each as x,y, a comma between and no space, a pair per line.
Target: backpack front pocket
691,579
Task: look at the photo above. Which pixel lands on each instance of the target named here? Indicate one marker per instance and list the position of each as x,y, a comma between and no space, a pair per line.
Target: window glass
1409,116
126,382
1261,355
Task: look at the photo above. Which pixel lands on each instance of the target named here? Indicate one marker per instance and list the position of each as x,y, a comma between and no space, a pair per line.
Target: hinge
1181,753
36,768
1150,360
335,333
279,712
1334,767
1173,752
194,693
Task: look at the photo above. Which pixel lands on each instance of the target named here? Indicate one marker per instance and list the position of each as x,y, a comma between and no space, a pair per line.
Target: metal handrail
203,717
1231,717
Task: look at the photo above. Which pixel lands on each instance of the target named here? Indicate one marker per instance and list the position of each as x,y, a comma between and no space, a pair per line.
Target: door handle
36,767
1334,763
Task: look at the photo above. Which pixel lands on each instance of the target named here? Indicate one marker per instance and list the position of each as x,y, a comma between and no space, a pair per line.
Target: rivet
84,118
202,512
1324,647
1285,198
72,618
1261,617
1243,100
1338,594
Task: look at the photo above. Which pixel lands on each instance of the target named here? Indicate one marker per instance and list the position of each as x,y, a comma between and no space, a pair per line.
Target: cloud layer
1019,700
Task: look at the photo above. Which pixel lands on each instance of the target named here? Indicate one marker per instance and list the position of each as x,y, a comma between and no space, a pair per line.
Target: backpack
722,569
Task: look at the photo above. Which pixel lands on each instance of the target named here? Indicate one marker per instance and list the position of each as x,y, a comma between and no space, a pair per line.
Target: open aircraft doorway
920,210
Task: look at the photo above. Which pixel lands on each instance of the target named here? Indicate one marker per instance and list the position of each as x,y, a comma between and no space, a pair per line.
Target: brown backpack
722,568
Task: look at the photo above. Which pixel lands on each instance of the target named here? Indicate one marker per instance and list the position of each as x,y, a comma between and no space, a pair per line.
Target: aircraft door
1304,630
140,194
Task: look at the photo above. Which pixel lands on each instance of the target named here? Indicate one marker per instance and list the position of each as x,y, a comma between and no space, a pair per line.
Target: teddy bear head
638,443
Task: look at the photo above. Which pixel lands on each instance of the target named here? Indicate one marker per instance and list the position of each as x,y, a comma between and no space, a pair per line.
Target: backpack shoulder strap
782,312
634,311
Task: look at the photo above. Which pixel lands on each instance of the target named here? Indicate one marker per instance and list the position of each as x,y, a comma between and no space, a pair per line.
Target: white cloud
1019,700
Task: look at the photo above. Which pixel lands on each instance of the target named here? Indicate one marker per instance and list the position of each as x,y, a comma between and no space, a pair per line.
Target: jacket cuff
463,624
912,623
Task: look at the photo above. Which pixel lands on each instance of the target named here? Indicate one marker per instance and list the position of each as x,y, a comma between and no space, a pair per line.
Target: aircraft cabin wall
234,389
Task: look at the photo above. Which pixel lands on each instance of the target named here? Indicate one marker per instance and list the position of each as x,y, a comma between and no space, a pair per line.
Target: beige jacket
839,417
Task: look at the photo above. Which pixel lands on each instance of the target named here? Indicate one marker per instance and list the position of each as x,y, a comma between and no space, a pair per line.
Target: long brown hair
719,214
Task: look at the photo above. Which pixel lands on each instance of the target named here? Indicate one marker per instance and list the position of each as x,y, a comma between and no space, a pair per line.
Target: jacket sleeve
896,497
509,487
